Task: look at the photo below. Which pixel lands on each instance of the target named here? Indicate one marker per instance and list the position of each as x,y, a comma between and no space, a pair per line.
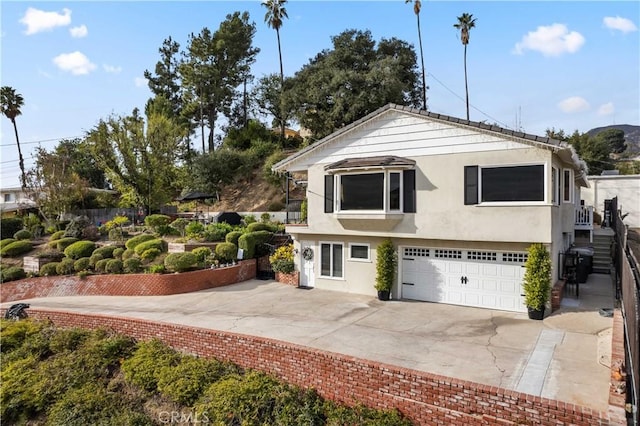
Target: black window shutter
470,185
328,193
409,191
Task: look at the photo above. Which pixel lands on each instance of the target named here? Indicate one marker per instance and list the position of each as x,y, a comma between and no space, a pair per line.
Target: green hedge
118,252
232,237
101,265
12,273
82,264
227,252
49,269
80,249
6,242
23,234
114,266
132,266
249,241
149,254
138,239
65,242
106,251
65,267
56,235
180,262
261,226
156,244
16,248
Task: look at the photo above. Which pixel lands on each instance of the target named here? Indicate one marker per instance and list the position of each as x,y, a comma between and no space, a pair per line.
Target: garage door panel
490,282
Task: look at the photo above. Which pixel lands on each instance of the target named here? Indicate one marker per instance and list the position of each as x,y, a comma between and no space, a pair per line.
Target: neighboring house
462,202
13,200
625,187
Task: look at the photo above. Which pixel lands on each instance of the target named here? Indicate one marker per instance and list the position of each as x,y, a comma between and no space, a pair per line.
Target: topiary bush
128,254
114,266
185,382
118,252
249,241
138,239
180,262
156,269
536,282
232,237
201,253
101,265
56,235
80,249
194,229
23,234
157,221
259,226
65,242
386,265
6,242
156,244
49,269
149,254
106,251
65,266
132,265
95,258
217,231
82,264
227,252
12,273
16,248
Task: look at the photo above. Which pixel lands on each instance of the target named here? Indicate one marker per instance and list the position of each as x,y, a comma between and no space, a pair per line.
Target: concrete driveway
565,357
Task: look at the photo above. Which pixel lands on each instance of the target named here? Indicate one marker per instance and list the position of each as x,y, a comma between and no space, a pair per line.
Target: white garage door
485,279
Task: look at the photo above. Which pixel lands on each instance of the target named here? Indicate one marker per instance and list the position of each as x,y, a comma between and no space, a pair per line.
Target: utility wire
40,141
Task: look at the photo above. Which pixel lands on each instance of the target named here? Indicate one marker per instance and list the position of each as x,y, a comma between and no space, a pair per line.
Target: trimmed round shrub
232,237
144,367
156,221
138,239
201,253
12,273
117,253
51,255
23,234
180,262
127,254
114,266
65,242
56,235
227,252
106,251
49,269
65,267
10,225
156,243
82,264
16,248
132,265
150,254
260,226
95,258
80,249
101,265
251,240
6,242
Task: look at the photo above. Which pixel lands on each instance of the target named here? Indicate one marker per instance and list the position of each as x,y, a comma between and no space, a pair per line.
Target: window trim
331,244
555,186
358,259
386,196
571,189
544,201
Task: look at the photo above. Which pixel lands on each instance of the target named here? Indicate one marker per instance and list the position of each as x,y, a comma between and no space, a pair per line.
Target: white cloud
552,40
112,69
76,63
79,32
573,104
38,20
621,24
606,109
140,81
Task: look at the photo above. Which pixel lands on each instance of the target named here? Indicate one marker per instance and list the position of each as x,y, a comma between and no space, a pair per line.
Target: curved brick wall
127,284
427,399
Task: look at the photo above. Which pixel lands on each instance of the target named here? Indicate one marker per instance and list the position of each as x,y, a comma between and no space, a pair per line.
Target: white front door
307,260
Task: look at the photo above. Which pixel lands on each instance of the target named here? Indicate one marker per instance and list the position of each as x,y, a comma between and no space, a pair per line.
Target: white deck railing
584,217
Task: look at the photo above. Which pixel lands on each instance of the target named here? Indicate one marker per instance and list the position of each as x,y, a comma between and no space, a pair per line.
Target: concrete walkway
564,357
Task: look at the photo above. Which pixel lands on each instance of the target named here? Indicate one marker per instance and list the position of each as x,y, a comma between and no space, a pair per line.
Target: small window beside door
359,252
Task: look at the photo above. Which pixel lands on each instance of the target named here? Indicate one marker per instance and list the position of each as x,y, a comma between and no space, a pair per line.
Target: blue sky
534,65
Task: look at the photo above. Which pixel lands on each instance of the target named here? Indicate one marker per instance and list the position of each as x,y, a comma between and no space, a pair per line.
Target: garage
483,279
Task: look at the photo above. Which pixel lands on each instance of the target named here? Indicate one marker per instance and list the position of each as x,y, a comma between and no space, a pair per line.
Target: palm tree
275,13
417,5
11,102
465,22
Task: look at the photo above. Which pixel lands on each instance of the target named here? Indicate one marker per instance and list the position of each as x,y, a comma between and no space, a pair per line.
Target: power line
41,141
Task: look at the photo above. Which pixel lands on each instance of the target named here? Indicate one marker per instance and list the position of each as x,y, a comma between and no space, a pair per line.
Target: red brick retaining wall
127,284
427,399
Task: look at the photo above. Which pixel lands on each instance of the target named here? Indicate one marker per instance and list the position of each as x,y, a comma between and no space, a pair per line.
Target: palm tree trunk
466,87
424,80
23,176
281,90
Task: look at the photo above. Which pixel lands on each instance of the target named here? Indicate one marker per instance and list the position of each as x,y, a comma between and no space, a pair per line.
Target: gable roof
565,151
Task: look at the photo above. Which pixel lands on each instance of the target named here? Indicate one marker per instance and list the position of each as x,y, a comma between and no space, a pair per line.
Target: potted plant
386,265
282,262
537,280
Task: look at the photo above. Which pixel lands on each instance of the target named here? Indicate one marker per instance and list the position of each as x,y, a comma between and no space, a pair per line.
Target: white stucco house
461,201
625,187
13,199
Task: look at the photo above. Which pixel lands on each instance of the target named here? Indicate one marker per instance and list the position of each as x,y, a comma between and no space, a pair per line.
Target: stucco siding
625,187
